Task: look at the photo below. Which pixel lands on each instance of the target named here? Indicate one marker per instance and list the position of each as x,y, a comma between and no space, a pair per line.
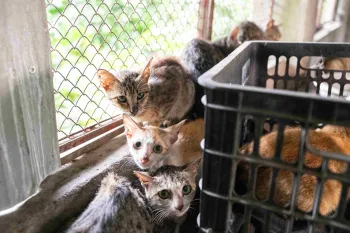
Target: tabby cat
152,146
161,94
119,207
247,30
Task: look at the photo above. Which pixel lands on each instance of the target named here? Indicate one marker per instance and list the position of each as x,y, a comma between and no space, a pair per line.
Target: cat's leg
330,197
169,122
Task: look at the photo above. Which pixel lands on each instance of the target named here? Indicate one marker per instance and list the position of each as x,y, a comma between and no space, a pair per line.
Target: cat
162,93
248,30
199,56
152,146
325,140
334,63
157,207
337,64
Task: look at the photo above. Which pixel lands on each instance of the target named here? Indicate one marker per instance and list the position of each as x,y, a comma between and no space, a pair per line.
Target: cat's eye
157,149
164,194
121,99
186,189
137,145
140,95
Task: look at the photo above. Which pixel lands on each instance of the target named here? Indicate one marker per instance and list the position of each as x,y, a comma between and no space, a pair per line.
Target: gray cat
161,94
200,56
120,207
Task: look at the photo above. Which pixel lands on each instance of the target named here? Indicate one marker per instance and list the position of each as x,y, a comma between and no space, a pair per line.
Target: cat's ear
107,79
270,24
146,71
193,167
144,178
130,125
234,34
174,130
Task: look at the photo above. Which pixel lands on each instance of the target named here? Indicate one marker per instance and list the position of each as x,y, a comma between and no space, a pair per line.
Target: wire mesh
228,14
111,34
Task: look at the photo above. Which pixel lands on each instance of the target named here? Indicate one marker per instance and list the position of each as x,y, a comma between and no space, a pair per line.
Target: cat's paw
167,123
145,123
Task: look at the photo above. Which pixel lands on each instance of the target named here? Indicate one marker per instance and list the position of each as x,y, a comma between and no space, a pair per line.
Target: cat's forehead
128,80
124,75
152,134
171,180
170,176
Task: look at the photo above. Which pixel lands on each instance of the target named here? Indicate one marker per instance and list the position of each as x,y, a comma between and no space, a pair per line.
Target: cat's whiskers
157,217
164,215
128,161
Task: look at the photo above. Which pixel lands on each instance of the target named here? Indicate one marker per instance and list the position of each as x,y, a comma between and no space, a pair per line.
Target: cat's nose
179,207
134,110
144,160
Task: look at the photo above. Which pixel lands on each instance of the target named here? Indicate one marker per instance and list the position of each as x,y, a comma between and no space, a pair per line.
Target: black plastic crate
237,104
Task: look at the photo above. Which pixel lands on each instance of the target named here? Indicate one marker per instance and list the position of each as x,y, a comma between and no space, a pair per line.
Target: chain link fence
90,34
87,35
228,14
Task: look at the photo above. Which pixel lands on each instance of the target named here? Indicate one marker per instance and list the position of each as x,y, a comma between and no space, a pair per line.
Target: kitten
247,30
162,93
200,56
152,146
337,64
119,207
334,63
324,141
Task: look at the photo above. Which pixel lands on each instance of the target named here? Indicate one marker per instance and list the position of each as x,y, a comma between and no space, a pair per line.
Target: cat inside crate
329,138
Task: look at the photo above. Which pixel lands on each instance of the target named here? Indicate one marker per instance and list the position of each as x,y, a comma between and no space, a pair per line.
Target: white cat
152,146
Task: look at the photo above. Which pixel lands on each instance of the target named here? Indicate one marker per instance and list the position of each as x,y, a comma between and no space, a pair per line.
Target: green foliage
116,34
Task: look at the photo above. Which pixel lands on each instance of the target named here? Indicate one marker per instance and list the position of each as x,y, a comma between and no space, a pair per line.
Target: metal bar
205,19
87,129
89,135
77,151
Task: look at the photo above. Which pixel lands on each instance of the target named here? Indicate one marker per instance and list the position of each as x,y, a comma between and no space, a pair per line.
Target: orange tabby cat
189,138
325,140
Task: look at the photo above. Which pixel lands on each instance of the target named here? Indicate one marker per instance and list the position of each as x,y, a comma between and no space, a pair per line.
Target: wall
28,138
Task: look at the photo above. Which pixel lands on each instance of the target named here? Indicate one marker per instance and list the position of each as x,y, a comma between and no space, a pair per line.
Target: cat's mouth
182,212
143,166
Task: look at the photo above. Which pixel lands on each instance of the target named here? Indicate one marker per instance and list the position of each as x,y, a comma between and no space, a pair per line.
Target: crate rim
206,79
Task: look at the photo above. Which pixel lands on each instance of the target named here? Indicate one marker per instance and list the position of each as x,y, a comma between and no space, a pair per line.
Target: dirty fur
161,94
331,139
179,144
118,207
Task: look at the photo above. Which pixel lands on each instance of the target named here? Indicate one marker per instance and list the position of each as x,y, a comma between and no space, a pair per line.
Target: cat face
127,90
272,31
149,145
170,190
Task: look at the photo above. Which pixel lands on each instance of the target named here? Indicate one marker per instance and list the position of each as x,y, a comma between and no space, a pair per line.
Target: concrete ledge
64,194
328,32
